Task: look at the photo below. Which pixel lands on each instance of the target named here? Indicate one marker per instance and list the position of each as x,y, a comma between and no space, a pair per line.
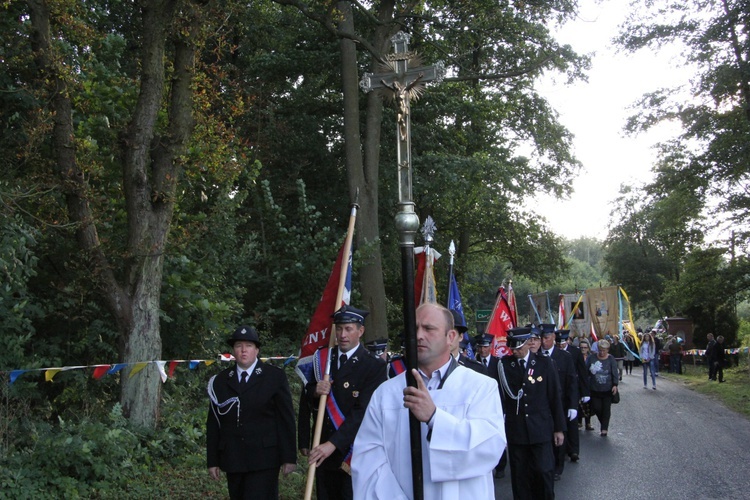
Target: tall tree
71,43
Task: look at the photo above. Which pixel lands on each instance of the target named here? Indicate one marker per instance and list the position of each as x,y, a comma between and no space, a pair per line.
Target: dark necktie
521,362
243,378
342,360
546,353
486,362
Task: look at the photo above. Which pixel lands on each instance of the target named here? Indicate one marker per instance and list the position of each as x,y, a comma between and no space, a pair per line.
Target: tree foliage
183,168
712,149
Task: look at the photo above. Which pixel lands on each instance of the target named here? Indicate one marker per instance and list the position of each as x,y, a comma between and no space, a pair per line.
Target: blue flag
454,303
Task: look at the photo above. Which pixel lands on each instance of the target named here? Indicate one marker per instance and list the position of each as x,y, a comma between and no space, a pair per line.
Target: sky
596,112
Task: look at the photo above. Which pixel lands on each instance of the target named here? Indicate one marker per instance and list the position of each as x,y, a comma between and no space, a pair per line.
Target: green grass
734,393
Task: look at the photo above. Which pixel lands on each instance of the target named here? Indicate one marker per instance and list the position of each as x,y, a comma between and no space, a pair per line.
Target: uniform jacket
472,364
492,367
568,376
539,413
256,432
580,365
352,386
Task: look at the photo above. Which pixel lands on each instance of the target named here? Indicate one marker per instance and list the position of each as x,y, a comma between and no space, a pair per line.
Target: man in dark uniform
484,356
534,418
568,377
354,376
573,446
461,358
250,424
711,355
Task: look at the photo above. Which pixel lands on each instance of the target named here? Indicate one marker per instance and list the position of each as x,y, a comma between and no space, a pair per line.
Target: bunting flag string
99,371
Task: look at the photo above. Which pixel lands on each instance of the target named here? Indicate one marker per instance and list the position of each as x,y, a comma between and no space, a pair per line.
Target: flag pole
452,252
332,342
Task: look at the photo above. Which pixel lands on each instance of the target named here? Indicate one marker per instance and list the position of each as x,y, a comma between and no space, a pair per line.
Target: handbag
616,398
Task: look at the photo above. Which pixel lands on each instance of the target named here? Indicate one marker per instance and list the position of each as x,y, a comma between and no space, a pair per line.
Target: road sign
482,315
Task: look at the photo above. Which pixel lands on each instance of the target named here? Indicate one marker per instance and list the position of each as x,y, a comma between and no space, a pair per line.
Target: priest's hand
418,399
323,388
320,453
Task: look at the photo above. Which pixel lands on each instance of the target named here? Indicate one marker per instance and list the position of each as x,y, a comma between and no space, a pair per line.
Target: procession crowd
475,417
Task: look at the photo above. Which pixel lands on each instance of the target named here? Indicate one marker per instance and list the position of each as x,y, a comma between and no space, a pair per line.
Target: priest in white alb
463,434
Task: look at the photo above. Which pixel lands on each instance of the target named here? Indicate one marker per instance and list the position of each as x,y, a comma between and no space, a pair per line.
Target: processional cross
402,83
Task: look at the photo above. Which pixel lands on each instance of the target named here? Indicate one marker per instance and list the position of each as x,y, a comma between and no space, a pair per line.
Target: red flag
501,320
561,313
420,261
100,371
594,338
172,366
319,331
512,304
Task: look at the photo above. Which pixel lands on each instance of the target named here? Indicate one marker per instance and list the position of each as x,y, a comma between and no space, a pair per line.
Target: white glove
585,399
572,414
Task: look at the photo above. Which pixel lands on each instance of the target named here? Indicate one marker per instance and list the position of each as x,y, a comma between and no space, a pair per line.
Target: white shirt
249,371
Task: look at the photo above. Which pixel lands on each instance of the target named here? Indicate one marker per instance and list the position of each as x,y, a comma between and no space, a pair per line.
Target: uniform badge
539,378
346,385
231,374
355,394
531,379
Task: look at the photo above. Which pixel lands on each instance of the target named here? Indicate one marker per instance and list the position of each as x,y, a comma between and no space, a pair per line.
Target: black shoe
557,477
574,457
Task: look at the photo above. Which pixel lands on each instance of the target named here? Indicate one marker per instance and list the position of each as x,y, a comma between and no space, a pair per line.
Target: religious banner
603,310
577,314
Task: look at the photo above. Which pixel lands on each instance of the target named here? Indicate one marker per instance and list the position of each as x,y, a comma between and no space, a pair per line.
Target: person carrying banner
250,423
355,374
534,418
462,432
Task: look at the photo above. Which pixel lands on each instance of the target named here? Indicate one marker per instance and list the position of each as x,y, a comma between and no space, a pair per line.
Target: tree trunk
363,173
150,172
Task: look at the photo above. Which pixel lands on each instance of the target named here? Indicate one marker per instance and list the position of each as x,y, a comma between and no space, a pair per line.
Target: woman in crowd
618,351
648,353
603,380
629,358
584,409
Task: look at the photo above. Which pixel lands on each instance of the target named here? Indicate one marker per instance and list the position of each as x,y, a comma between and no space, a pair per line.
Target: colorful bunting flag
100,371
137,367
50,374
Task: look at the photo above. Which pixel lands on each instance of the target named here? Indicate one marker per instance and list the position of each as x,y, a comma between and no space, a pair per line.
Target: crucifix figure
402,83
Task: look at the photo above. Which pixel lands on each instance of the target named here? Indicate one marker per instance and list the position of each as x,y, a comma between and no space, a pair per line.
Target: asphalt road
671,443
